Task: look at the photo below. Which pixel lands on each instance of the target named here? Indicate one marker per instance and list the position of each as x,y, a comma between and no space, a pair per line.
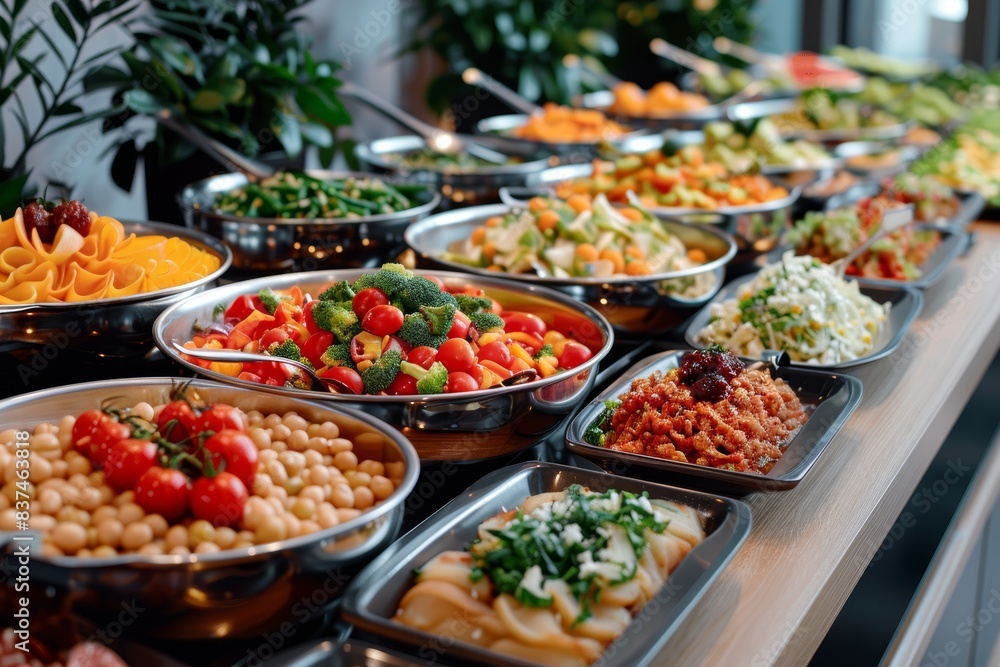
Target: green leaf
321,107
10,195
103,77
286,129
79,12
142,102
55,50
66,108
124,164
208,100
316,134
79,120
63,20
5,29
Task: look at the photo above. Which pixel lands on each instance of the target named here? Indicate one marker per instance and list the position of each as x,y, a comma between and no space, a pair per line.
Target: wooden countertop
809,546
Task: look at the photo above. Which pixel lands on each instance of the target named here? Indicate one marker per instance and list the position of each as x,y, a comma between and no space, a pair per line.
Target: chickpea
293,485
5,501
279,493
89,499
271,421
255,511
326,515
271,529
395,471
103,513
60,469
313,493
244,544
201,531
319,475
293,526
342,496
136,535
304,508
338,445
313,458
318,444
277,472
43,522
266,456
74,515
225,537
13,493
277,504
309,527
41,469
345,461
130,513
151,550
78,465
143,411
280,432
107,494
65,434
372,467
8,519
84,553
179,551
345,514
96,478
79,481
363,498
8,437
357,479
104,551
69,537
207,548
294,462
262,485
244,536
254,418
382,487
298,441
329,430
44,427
50,550
125,498
176,536
157,523
49,501
92,540
261,438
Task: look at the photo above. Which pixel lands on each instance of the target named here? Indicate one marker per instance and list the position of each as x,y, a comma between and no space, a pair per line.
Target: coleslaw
800,306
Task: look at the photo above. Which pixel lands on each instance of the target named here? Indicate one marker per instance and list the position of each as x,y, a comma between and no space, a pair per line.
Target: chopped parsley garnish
596,433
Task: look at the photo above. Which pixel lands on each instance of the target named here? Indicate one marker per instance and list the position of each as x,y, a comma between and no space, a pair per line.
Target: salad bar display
320,361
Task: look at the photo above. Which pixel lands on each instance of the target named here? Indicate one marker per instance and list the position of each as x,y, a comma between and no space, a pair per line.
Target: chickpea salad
800,306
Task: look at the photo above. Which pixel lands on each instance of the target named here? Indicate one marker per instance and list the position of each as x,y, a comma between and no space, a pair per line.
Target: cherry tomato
107,434
496,352
456,355
526,322
237,450
422,356
163,491
367,299
316,345
460,381
84,427
382,320
249,377
574,354
460,326
476,372
275,336
127,461
177,421
403,385
348,376
307,316
396,343
220,417
437,281
219,499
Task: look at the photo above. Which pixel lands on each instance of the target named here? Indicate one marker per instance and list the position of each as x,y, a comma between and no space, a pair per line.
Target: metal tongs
892,219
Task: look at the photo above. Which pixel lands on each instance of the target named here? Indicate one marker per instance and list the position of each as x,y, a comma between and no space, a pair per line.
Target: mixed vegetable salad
820,109
969,160
425,158
388,333
295,195
742,148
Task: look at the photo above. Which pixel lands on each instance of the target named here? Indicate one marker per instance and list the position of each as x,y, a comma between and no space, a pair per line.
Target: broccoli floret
429,381
392,278
381,373
340,292
365,280
341,322
486,321
299,381
416,331
473,304
419,291
546,351
439,318
287,349
338,354
271,300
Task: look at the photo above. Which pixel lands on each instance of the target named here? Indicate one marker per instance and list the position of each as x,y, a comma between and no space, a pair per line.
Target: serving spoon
334,386
693,62
573,61
892,219
216,150
438,140
475,77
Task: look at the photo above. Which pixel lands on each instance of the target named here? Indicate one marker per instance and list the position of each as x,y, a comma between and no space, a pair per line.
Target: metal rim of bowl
601,100
518,119
209,243
373,153
253,285
482,212
186,196
409,455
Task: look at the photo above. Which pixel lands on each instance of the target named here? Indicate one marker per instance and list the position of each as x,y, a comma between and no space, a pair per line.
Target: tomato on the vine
220,417
383,320
348,376
107,434
177,421
238,452
163,491
367,299
84,427
219,499
456,355
127,461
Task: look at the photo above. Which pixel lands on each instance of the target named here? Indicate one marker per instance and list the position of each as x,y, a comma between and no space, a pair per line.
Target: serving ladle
693,62
892,219
438,140
216,150
475,77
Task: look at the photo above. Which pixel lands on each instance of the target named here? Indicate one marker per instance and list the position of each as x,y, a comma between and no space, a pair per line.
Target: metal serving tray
953,243
344,653
113,327
906,304
681,119
763,108
373,597
501,128
832,396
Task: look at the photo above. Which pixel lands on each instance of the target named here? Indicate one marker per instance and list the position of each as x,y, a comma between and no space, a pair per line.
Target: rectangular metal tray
906,304
953,242
344,653
374,595
834,397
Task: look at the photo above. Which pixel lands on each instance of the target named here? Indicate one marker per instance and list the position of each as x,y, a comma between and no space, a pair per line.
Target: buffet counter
808,547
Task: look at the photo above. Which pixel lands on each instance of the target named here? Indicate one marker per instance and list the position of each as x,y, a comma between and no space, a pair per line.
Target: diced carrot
697,255
520,353
637,267
537,204
495,221
587,252
579,202
531,340
489,251
615,258
518,365
632,214
478,234
635,252
547,220
495,368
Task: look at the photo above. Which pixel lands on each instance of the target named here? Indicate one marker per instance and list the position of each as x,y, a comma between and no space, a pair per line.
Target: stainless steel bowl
113,327
851,150
634,306
265,244
763,108
680,119
458,187
501,128
234,593
457,427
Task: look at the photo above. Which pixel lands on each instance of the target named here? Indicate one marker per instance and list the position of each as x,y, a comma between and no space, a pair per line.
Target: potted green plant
238,70
51,77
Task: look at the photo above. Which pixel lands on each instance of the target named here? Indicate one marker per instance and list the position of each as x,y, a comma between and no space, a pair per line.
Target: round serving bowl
266,244
467,426
764,108
635,306
238,593
113,327
501,130
458,187
680,119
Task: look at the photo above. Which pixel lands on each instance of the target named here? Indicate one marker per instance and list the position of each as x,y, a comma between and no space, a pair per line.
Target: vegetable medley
579,237
388,333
